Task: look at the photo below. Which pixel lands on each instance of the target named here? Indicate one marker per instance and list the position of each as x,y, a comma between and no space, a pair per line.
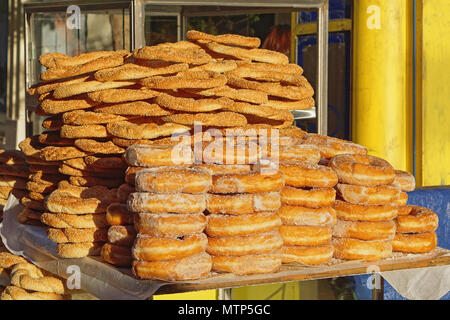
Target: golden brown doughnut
353,249
220,225
419,220
415,242
357,212
402,200
364,230
308,175
330,147
79,250
384,194
122,235
308,255
168,224
247,264
403,210
74,235
300,152
117,214
362,170
245,244
404,180
148,248
238,204
162,203
247,183
227,152
189,268
312,198
62,220
116,255
215,169
170,180
305,235
158,155
303,216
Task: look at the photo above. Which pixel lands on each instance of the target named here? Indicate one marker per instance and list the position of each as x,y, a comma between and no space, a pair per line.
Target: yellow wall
382,79
433,93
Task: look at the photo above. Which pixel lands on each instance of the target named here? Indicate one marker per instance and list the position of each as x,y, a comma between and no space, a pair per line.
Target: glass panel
160,28
3,67
56,32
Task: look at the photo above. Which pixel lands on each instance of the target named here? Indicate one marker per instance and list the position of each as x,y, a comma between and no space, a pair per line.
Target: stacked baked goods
306,211
415,225
22,280
13,178
169,202
366,207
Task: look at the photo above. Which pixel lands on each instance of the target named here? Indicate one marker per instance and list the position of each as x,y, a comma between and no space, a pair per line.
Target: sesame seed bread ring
384,194
357,212
29,277
81,118
173,181
161,203
85,57
122,95
190,104
102,173
84,221
247,183
99,191
14,182
11,157
41,188
354,249
52,123
189,268
117,255
311,198
303,174
275,89
419,220
219,119
248,264
195,56
48,59
265,75
55,106
260,111
305,235
79,250
16,293
129,130
32,204
31,146
88,86
308,255
124,191
45,169
90,66
131,71
8,260
117,214
230,39
362,170
414,243
238,204
279,104
219,66
122,235
168,224
290,68
92,163
261,55
133,108
45,87
402,200
74,235
330,147
245,244
215,169
86,131
36,196
39,162
158,155
364,230
148,248
125,143
28,214
14,170
65,203
53,138
404,180
88,181
300,152
5,192
245,95
52,153
186,79
303,216
221,225
95,147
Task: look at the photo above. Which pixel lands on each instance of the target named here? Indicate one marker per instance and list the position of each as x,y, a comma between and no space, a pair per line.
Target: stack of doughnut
13,180
415,225
21,280
168,205
366,206
306,212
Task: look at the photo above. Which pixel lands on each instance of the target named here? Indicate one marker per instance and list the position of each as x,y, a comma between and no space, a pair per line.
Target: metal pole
322,69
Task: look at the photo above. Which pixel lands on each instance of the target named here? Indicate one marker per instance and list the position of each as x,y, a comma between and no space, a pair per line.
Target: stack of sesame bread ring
365,207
